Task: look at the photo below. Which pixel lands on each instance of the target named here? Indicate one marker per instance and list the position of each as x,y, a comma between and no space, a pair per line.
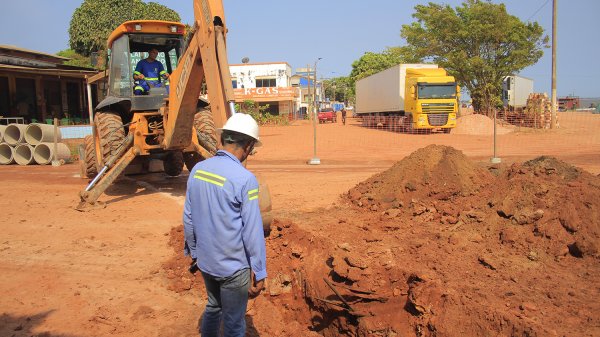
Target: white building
516,90
266,83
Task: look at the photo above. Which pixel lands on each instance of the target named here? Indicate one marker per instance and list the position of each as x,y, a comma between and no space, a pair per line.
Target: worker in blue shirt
224,231
149,73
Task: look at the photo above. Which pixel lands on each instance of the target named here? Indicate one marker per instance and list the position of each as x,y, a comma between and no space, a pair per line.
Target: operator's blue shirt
222,223
152,71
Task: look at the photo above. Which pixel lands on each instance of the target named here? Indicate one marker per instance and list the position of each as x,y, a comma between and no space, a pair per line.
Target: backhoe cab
129,44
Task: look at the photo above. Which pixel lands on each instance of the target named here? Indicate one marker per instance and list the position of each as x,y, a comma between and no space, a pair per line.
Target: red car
327,114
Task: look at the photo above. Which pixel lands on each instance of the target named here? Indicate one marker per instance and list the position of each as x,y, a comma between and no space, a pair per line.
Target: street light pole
553,97
315,160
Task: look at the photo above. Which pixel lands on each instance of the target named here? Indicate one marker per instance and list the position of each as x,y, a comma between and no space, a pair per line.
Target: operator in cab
150,73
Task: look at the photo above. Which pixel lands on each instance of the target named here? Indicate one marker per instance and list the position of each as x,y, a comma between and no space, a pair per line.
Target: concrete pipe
2,128
43,153
24,154
15,134
40,133
7,154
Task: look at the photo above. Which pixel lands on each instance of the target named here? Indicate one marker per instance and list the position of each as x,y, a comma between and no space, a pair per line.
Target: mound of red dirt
477,124
438,183
552,200
435,172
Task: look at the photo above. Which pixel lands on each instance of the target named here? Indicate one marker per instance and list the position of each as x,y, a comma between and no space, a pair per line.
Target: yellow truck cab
431,98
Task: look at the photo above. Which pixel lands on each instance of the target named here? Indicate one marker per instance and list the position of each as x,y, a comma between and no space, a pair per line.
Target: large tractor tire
110,135
90,161
205,130
207,137
173,163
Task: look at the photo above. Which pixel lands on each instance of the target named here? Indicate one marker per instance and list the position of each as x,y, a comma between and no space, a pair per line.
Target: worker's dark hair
237,138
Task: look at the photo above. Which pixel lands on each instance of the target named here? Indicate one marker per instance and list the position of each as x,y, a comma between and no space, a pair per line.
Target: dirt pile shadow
21,326
439,246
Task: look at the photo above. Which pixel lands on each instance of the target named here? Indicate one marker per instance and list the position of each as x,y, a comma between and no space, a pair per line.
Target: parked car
327,114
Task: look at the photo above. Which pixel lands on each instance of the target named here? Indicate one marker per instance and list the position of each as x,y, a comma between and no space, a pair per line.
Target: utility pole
315,85
553,111
309,110
314,160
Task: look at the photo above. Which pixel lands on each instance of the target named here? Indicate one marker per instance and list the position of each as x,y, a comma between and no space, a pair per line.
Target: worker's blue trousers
142,87
227,302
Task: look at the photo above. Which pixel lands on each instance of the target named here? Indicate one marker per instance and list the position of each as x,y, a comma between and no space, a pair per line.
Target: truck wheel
90,160
110,134
173,163
408,125
205,130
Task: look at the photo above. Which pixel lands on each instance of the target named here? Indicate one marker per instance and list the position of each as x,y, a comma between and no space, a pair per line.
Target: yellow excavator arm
205,58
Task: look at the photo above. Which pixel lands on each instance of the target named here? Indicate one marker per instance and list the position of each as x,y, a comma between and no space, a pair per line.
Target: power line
539,9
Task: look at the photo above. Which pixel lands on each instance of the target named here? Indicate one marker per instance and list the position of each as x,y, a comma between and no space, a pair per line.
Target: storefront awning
47,71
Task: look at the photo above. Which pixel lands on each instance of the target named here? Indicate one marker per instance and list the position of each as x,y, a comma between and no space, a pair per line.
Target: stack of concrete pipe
30,144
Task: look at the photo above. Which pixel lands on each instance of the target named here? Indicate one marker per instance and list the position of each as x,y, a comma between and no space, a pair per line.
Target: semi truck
408,97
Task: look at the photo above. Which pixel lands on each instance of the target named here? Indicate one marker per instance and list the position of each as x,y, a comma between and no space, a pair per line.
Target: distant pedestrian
344,116
224,231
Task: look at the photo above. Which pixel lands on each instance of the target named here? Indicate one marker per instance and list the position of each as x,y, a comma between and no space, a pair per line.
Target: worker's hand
193,267
140,77
255,287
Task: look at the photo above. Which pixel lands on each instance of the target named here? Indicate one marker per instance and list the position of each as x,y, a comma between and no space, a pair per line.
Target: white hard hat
243,123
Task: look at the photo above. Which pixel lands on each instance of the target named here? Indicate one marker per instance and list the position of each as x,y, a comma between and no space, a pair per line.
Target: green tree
478,42
260,113
94,20
75,59
371,63
338,89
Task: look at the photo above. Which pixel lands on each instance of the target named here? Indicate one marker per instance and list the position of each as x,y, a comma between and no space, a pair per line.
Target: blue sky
338,31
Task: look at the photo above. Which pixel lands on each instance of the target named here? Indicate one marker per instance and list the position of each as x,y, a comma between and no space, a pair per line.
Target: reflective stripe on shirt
253,194
210,177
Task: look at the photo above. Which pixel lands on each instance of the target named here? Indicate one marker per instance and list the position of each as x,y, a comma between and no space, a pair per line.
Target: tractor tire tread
111,134
90,159
173,163
205,130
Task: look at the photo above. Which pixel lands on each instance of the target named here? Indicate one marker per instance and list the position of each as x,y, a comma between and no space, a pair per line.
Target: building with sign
266,83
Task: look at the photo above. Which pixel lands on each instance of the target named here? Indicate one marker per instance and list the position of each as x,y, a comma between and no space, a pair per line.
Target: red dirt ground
427,243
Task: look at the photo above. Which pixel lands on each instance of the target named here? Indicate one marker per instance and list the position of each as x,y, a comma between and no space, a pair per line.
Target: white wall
246,74
520,88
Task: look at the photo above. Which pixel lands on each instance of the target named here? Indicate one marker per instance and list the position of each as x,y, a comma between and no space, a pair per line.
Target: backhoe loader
171,123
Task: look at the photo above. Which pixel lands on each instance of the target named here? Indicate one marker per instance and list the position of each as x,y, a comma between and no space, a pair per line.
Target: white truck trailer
515,91
408,97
